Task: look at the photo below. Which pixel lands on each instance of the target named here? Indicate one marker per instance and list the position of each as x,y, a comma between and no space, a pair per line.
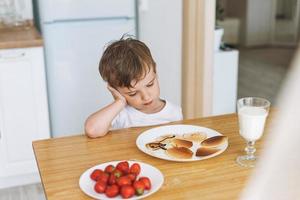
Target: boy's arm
98,123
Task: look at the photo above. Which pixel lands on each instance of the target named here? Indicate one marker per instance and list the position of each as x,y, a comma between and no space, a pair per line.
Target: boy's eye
150,84
132,94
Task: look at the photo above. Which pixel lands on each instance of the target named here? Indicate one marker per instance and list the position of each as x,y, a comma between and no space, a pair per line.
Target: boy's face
144,95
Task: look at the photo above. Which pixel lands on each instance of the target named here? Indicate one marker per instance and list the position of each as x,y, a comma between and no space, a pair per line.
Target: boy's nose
145,96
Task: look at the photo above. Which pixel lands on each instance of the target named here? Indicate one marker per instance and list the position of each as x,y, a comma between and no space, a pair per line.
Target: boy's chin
146,109
152,108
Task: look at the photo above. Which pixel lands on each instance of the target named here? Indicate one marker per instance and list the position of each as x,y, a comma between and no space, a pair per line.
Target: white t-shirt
131,117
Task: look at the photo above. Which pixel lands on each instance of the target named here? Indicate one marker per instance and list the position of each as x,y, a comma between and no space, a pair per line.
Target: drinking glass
252,114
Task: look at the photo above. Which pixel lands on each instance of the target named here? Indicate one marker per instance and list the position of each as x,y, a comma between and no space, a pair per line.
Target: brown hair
125,60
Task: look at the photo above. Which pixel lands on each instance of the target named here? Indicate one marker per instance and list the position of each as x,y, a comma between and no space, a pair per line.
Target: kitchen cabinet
23,113
225,80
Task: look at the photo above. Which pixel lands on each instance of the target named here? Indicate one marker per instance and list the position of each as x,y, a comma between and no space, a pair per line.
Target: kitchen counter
20,37
61,161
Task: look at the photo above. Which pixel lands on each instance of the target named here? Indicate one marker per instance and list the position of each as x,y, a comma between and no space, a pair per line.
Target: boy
130,71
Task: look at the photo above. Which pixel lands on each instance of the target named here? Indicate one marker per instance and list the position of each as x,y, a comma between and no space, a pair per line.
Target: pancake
155,146
179,152
214,141
206,151
181,143
165,139
195,137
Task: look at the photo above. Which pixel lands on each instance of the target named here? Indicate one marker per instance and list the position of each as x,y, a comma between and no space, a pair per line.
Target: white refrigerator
75,33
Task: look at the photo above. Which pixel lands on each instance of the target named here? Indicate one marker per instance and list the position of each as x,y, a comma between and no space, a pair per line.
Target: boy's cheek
134,102
130,100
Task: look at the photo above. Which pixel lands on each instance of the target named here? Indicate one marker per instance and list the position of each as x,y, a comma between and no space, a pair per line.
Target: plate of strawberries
121,180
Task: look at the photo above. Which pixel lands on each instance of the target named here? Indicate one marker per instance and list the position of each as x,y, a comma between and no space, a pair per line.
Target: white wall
160,27
27,12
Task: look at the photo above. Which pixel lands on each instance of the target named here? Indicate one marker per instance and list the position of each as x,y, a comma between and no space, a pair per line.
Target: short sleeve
115,124
119,121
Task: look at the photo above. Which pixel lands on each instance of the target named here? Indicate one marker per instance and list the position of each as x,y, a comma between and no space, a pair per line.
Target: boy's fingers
111,88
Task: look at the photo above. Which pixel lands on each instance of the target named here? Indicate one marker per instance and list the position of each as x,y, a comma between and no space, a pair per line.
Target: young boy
130,71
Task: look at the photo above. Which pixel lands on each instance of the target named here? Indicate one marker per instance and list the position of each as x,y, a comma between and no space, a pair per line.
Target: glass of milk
252,114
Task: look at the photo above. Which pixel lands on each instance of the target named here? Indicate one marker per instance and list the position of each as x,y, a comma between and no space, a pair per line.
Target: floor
285,31
262,71
27,192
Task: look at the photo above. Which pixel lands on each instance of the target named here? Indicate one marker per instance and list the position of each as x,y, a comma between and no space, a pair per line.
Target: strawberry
139,187
95,174
131,176
117,173
112,190
135,169
127,191
103,177
112,179
109,169
123,180
123,167
146,182
100,187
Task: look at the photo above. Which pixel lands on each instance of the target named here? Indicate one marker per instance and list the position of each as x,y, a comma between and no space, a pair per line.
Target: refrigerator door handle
12,55
89,19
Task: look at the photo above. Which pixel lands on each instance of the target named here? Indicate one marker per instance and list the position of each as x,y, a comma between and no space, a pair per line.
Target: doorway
286,22
265,47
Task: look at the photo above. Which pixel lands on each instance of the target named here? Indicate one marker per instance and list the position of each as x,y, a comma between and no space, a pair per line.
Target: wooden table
61,161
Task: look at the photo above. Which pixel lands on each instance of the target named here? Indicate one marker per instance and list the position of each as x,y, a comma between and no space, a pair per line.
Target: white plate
152,134
86,184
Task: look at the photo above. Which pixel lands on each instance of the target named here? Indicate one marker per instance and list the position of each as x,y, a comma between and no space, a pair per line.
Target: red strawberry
123,167
139,187
103,177
112,179
112,190
146,182
109,169
127,191
131,176
117,173
123,180
95,174
100,187
135,169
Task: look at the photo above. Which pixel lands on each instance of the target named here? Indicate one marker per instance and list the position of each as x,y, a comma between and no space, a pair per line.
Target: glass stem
250,149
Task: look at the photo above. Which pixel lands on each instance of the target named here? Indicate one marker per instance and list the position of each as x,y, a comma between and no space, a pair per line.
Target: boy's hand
116,94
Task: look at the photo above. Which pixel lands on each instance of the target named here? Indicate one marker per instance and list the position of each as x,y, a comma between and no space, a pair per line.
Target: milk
251,122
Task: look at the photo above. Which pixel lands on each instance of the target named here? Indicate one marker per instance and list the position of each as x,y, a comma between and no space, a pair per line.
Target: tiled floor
262,71
27,192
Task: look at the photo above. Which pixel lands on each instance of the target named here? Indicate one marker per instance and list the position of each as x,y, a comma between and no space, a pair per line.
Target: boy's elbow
92,131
